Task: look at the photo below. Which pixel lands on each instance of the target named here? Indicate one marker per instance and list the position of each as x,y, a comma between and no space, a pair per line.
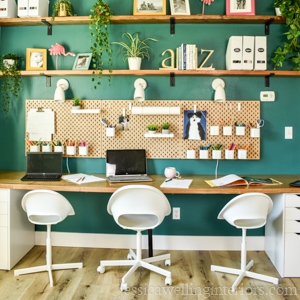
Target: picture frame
180,7
36,59
82,61
153,8
240,7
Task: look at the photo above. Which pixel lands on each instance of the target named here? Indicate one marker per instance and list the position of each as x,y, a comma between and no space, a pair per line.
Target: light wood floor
191,275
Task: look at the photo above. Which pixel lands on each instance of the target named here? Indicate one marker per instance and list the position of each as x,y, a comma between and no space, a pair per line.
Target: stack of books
187,57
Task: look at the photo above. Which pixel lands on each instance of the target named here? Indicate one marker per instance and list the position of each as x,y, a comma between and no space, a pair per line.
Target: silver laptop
126,165
43,166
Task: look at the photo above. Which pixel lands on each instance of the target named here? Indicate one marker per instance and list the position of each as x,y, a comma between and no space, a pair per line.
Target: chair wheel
101,269
168,281
129,257
168,262
124,287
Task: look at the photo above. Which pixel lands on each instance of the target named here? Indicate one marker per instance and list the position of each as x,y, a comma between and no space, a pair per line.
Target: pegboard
88,126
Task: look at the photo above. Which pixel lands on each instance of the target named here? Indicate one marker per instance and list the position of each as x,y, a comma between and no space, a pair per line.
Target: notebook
126,165
43,166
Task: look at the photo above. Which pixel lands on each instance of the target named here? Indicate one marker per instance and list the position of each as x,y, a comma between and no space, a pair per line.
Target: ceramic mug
171,172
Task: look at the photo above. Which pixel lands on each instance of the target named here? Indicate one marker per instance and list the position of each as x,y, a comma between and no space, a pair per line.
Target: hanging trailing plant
100,16
290,9
11,79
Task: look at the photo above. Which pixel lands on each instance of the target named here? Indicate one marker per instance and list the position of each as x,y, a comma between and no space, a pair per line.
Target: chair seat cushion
142,221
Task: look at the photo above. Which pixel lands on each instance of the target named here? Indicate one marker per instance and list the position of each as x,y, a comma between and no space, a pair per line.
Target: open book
233,180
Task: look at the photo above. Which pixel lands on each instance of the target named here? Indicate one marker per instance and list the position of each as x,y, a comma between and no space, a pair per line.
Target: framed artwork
194,125
36,59
240,7
82,61
149,7
180,7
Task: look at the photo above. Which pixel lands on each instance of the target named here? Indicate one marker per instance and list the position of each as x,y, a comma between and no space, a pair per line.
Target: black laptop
126,165
43,166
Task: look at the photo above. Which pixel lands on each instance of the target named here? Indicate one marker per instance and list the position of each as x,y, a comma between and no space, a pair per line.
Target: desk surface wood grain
12,180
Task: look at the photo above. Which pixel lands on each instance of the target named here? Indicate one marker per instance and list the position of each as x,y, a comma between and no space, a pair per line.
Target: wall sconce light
61,86
139,93
218,85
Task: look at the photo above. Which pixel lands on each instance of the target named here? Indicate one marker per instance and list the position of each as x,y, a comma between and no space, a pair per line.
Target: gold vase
62,12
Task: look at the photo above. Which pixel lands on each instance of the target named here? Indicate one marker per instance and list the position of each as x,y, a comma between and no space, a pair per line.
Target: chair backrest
46,207
138,207
247,211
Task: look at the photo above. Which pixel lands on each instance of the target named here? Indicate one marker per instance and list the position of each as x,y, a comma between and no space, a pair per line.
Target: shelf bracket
172,25
172,79
48,25
48,79
267,79
267,26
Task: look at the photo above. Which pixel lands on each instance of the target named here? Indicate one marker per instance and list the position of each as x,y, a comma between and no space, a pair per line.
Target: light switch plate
288,133
267,96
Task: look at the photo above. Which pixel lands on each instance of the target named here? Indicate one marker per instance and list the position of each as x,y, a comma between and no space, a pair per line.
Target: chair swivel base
241,274
134,262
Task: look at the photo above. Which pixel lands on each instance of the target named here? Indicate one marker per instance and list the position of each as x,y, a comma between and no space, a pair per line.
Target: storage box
38,8
8,9
23,8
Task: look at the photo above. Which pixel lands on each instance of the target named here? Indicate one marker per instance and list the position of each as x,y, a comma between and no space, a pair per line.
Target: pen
82,178
78,179
168,180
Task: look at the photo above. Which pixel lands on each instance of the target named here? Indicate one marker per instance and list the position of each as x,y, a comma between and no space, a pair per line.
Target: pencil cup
71,150
227,130
242,154
255,132
46,148
83,150
59,149
216,154
110,131
240,130
34,148
203,154
229,154
214,130
190,154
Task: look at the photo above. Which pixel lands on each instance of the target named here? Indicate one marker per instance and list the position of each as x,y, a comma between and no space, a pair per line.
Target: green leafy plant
165,125
11,79
100,16
290,9
135,46
57,7
152,127
77,101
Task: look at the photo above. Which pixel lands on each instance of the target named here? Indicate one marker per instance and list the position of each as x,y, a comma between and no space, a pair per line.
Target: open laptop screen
44,162
128,161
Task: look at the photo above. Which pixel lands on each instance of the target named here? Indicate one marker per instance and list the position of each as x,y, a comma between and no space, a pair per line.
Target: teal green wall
278,156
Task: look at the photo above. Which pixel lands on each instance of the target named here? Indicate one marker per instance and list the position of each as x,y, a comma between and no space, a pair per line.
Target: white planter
277,11
165,131
76,107
134,63
35,148
152,131
59,149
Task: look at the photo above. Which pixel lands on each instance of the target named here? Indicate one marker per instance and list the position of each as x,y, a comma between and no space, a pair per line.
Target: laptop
126,165
43,166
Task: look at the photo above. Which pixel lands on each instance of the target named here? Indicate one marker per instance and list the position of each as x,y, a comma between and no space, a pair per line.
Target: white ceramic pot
76,107
277,11
165,131
152,131
134,63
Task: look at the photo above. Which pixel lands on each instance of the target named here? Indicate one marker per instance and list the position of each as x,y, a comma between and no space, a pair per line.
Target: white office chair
138,207
46,207
246,211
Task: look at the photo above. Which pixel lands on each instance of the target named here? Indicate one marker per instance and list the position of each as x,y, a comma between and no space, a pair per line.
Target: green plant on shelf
152,127
62,8
165,125
77,101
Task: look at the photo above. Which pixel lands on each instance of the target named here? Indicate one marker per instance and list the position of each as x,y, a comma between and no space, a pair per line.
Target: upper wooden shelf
165,72
129,19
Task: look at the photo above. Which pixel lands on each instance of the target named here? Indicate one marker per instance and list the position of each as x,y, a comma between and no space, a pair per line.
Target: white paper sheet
177,183
80,178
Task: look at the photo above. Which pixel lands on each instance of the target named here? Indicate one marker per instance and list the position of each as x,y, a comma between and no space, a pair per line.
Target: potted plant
100,16
11,79
76,103
135,50
152,128
165,128
62,8
291,49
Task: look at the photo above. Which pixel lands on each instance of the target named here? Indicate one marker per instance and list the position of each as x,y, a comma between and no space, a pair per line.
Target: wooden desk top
11,180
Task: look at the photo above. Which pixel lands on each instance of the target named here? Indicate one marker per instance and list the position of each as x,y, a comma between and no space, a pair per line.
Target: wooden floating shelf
129,19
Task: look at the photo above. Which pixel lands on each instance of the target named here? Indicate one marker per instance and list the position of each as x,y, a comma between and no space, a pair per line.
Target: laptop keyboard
129,178
41,177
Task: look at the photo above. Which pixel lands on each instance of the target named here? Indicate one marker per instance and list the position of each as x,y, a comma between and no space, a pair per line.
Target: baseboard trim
160,242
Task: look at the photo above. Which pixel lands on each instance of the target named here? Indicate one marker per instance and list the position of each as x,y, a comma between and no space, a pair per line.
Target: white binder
23,8
8,9
248,53
234,53
38,8
260,61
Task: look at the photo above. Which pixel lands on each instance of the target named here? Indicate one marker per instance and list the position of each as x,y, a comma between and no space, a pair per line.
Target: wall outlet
176,213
